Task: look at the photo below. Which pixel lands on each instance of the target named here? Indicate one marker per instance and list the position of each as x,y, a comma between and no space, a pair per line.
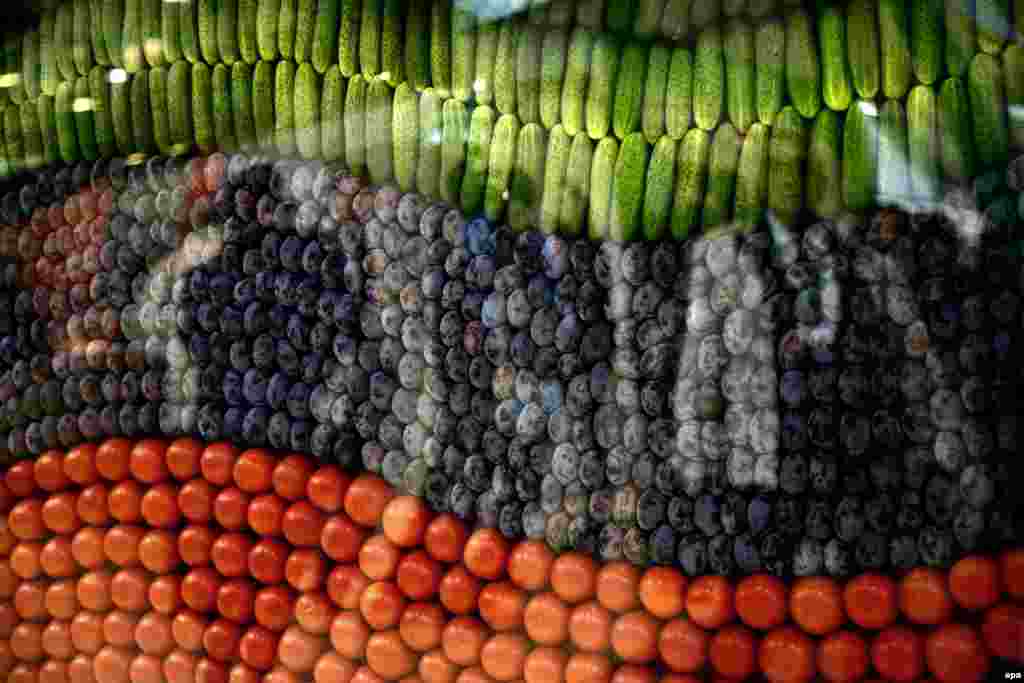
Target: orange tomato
419,575
486,554
974,582
195,500
501,605
404,521
617,586
217,463
381,605
546,619
434,667
421,626
545,665
345,585
153,634
56,558
366,499
504,655
273,607
955,652
24,560
183,456
93,591
60,600
267,560
125,501
473,674
87,632
314,612
20,479
188,628
459,590
129,590
761,601
1011,565
235,600
92,506
924,598
148,461
111,665
445,538
26,520
49,472
158,551
342,539
333,668
786,656
265,514
179,667
80,465
634,637
291,476
1003,632
80,670
230,554
588,667
388,656
327,488
462,640
165,594
634,673
298,651
199,589
303,524
27,642
733,652
253,471
121,544
871,600
683,646
195,544
663,592
349,633
574,577
843,657
305,569
378,558
231,508
709,602
816,605
113,458
898,654
30,601
60,514
590,627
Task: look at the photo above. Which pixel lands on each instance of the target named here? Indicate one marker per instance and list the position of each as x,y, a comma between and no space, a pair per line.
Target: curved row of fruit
133,561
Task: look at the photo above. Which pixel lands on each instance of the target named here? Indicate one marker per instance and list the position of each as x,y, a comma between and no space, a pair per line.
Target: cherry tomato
333,668
787,655
898,654
80,465
462,640
56,558
27,642
291,476
871,601
419,575
165,594
314,612
60,514
545,665
955,652
378,558
112,664
546,619
445,538
24,673
574,577
273,607
381,605
158,551
590,627
235,600
366,499
231,509
434,667
924,598
199,589
49,472
1011,564
9,618
53,671
345,585
473,674
9,579
153,634
974,583
587,667
733,652
210,671
298,651
121,544
504,656
195,544
119,628
80,670
843,657
761,601
26,520
148,461
112,459
61,601
129,589
87,632
217,463
816,605
683,645
188,628
93,591
617,586
21,479
365,674
24,560
303,524
92,506
258,647
709,602
179,667
327,488
7,539
459,590
634,637
125,502
265,514
388,656
195,500
421,626
404,521
663,592
254,471
30,600
634,673
349,633
183,456
305,569
220,640
230,554
501,605
1003,632
267,560
146,669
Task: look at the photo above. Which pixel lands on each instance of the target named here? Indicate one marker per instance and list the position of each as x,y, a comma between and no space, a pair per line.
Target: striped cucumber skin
325,41
528,63
1013,69
923,143
552,71
722,168
926,29
49,76
223,119
499,167
179,101
463,51
559,143
268,12
124,122
85,120
97,35
862,49
48,129
705,14
81,51
961,41
170,30
577,70
31,135
349,34
158,110
602,174
284,114
803,73
241,105
15,140
860,157
708,79
629,90
787,151
505,68
653,120
152,45
837,90
993,21
675,20
17,91
648,18
691,179
440,48
572,206
67,137
306,110
227,31
355,124
955,127
305,21
287,18
752,178
679,94
604,64
619,17
248,31
113,30
527,177
378,132
893,157
740,85
658,191
770,70
391,58
188,31
417,43
64,38
824,165
30,67
590,14
486,49
263,103
202,111
894,38
453,149
99,91
141,114
206,22
733,8
332,113
478,155
986,87
131,38
406,125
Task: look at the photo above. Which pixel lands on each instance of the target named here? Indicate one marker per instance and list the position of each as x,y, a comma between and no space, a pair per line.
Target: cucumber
287,19
679,94
955,127
227,31
355,124
803,77
17,91
284,114
675,20
722,168
1013,70
453,149
31,135
923,144
653,119
170,30
48,129
538,12
67,136
986,87
486,49
576,188
188,29
332,113
406,125
770,72
325,40
248,31
350,13
837,90
691,179
499,166
64,38
478,155
619,17
99,91
926,21
305,23
202,111
30,66
378,132
49,75
268,13
824,165
708,79
760,8
158,110
141,114
121,110
733,8
15,141
960,37
893,157
740,85
628,188
392,61
97,35
590,14
263,103
860,156
463,53
241,105
179,101
505,68
658,191
604,64
440,48
417,44
307,114
552,71
894,38
152,45
81,50
85,121
629,90
862,49
223,120
602,174
787,151
648,18
560,12
752,178
577,69
993,17
206,23
554,177
528,63
705,14
527,177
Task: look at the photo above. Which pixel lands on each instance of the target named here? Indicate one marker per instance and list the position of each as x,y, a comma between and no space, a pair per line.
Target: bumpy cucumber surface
463,53
206,24
604,64
770,69
926,28
483,63
202,108
602,175
121,107
505,68
679,94
860,156
332,113
349,34
307,113
528,65
31,134
1013,70
440,48
554,176
739,73
179,101
241,104
577,70
49,76
629,90
923,143
986,87
97,33
64,38
392,62
248,38
287,18
85,120
708,80
223,119
453,149
263,103
142,114
993,20
955,127
82,48
786,153
305,20
961,40
378,132
355,124
552,71
478,155
528,177
499,167
152,45
803,73
661,173
675,19
30,65
170,31
48,129
158,110
188,29
653,120
284,108
752,178
417,43
266,28
67,137
325,41
862,47
576,188
227,31
835,78
99,91
406,136
691,179
894,38
722,167
824,165
893,157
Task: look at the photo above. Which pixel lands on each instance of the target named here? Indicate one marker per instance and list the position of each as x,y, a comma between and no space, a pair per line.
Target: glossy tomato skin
761,601
327,488
445,538
258,647
617,586
291,476
683,646
349,633
421,626
663,592
80,465
183,457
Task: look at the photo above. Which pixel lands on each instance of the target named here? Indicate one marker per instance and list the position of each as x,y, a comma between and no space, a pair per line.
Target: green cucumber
369,38
960,36
723,165
708,79
263,103
894,38
440,48
628,188
893,157
131,36
241,105
287,18
740,85
648,18
268,13
227,31
30,66
158,110
538,12
97,35
576,188
99,91
679,94
48,129
141,114
31,135
691,180
554,177
955,126
64,39
355,124
81,50
188,29
752,178
803,73
305,22
378,132
223,118
121,109
926,20
1013,70
653,119
307,113
15,141
659,186
284,113
602,174
392,62
486,50
332,113
348,36
787,151
505,68
675,20
770,70
986,87
577,69
453,149
528,63
202,111
552,71
629,90
326,38
85,120
590,14
527,177
993,17
759,9
862,49
478,155
113,30
705,14
406,125
49,75
152,45
604,65
835,76
923,144
170,30
560,12
417,44
463,53
206,23
824,165
860,156
733,8
179,101
618,17
499,167
248,31
67,136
